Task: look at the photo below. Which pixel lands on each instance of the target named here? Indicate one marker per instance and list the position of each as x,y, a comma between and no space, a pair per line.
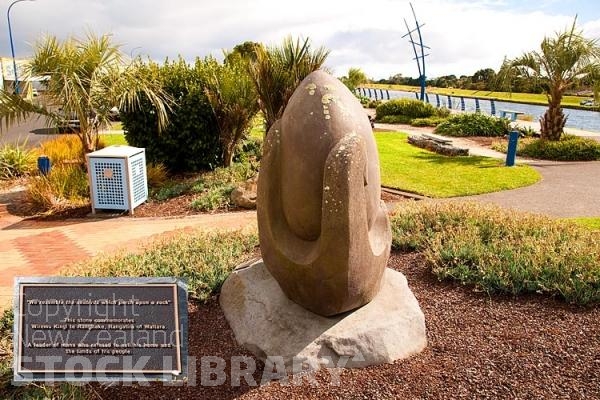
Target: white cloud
463,36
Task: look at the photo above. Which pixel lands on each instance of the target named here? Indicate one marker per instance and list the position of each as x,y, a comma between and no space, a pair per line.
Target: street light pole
12,46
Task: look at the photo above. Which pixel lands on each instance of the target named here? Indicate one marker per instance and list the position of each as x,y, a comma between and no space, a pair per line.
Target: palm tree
233,99
86,79
277,71
560,64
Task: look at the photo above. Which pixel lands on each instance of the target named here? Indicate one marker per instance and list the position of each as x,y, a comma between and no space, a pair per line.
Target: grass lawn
571,101
113,139
592,223
412,169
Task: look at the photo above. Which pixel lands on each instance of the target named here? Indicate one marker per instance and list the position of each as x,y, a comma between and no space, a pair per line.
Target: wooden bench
510,114
436,139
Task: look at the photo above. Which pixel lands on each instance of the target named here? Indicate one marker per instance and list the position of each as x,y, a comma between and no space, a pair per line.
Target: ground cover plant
498,250
473,124
211,190
412,169
204,260
568,148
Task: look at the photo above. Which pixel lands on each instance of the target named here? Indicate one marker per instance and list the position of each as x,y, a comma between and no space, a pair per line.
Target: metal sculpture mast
419,58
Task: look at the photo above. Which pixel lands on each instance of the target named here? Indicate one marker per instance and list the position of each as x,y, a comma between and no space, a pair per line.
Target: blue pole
450,102
511,153
477,106
493,107
44,165
12,46
462,103
437,100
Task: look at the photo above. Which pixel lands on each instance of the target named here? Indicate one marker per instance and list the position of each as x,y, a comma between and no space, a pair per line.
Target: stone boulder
267,323
244,196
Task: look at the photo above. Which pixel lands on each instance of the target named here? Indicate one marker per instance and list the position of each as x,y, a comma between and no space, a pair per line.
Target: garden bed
505,347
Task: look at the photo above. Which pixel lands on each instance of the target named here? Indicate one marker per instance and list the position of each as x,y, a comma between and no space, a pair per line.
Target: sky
463,36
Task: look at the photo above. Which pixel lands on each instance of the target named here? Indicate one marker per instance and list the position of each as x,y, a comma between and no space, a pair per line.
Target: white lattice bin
118,178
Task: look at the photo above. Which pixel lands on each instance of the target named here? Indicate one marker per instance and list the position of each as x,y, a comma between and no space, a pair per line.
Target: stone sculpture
324,231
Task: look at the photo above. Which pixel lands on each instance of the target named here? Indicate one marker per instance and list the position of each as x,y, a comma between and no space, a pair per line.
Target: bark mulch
479,346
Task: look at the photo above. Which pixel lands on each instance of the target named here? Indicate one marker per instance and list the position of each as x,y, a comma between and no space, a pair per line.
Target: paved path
566,190
34,248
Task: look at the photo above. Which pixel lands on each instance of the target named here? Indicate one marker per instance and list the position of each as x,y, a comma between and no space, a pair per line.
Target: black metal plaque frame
78,329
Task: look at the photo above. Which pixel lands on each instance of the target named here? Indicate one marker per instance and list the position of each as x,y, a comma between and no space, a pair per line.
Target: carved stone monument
324,231
325,239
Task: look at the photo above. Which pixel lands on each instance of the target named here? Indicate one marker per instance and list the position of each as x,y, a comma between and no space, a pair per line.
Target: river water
580,119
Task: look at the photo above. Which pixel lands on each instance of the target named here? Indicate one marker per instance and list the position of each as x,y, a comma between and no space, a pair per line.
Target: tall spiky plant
562,61
85,80
278,70
233,99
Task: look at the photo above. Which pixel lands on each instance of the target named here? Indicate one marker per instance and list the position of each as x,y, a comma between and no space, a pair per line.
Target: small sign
100,329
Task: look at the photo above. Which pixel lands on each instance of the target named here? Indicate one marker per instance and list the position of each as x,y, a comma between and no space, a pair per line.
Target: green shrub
473,124
568,148
527,131
171,190
214,188
431,121
213,198
15,161
442,112
204,260
364,100
190,142
249,149
407,108
500,250
373,103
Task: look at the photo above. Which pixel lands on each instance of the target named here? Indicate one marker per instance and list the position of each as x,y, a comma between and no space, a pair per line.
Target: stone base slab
267,323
